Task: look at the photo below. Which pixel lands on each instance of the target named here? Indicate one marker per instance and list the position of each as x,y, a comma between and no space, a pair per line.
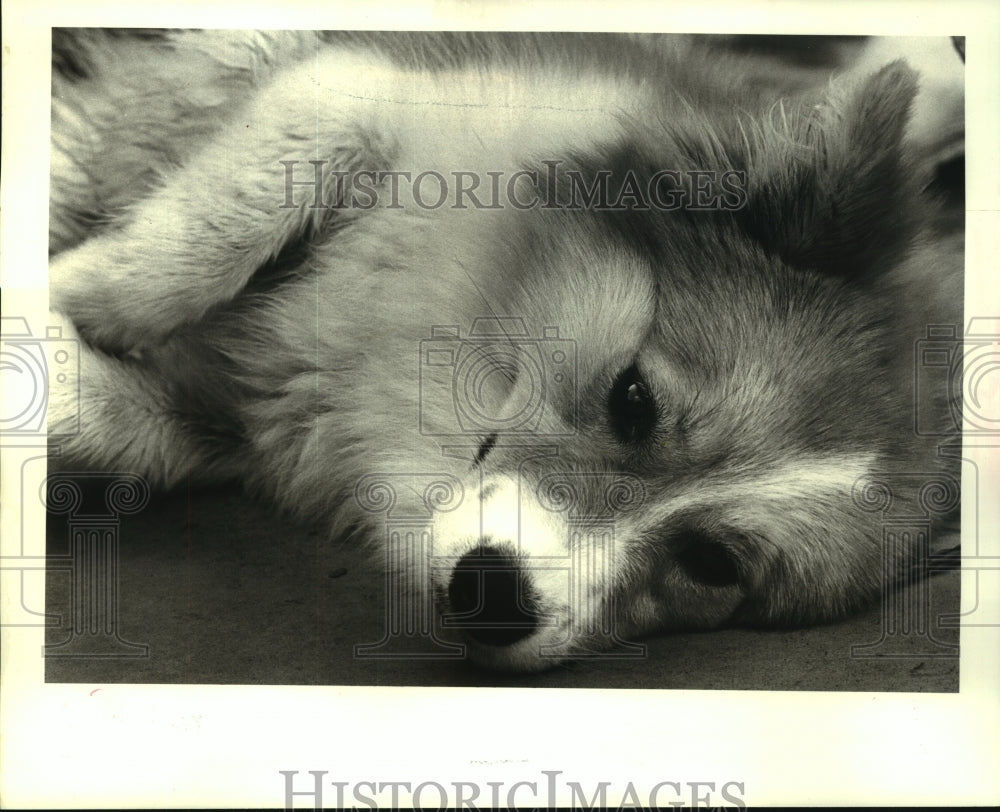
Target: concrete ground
221,590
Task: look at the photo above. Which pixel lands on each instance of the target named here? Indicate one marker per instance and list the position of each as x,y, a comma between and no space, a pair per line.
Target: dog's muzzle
523,586
491,597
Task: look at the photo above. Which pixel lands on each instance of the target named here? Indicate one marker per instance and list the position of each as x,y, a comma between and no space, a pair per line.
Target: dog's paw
108,313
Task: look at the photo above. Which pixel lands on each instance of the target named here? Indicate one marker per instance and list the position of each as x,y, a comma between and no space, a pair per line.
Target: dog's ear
829,186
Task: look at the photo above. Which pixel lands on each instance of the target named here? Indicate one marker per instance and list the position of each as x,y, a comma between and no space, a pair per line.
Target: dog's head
687,445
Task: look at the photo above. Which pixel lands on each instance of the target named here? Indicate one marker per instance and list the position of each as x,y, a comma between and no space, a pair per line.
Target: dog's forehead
561,273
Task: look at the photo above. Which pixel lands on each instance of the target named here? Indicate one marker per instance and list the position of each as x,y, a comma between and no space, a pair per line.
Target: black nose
494,596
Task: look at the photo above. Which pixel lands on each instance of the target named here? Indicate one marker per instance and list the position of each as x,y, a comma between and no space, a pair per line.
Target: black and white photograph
624,375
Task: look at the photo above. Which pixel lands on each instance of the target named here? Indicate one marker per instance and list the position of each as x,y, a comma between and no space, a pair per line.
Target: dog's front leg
195,242
112,414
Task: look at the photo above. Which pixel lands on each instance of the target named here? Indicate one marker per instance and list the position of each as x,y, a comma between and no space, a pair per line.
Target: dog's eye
706,560
631,406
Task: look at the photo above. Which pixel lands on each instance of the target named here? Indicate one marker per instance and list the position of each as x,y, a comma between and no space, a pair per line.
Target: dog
623,342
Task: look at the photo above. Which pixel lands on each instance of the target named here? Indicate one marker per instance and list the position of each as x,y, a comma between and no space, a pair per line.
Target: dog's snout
494,596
